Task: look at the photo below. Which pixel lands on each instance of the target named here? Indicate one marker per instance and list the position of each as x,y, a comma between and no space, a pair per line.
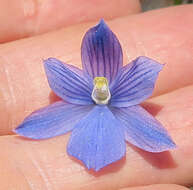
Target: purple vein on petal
53,120
75,77
134,82
68,82
131,72
98,139
82,90
106,52
143,130
122,92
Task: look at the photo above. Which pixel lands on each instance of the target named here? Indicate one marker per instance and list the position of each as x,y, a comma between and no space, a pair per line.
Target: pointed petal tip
47,62
14,131
170,146
87,165
54,120
101,28
144,58
17,131
50,60
173,145
102,22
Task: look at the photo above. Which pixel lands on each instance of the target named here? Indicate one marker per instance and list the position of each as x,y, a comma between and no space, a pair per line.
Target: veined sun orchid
101,105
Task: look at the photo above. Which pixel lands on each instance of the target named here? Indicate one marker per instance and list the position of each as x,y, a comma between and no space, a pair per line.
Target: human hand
45,164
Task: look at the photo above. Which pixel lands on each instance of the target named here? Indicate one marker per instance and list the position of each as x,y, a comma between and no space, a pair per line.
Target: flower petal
98,139
68,82
101,52
135,82
53,120
143,130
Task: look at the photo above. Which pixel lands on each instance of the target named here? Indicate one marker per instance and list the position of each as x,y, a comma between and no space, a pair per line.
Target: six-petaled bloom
101,105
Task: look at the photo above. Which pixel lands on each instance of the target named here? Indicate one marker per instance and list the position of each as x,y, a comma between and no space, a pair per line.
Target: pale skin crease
157,187
23,88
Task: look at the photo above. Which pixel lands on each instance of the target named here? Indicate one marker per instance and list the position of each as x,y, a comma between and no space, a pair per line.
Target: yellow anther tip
99,82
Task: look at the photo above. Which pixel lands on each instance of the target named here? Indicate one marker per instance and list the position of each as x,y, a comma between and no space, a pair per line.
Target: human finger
26,18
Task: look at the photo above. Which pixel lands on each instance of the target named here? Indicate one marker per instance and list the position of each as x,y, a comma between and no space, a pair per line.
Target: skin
164,35
157,187
33,17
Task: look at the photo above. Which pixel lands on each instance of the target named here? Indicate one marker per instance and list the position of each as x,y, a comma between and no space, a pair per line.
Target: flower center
101,93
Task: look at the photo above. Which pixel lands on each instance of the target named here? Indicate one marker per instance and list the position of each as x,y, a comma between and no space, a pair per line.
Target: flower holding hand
100,104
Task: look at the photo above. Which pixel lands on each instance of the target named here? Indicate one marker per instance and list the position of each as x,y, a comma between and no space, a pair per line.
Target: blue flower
101,105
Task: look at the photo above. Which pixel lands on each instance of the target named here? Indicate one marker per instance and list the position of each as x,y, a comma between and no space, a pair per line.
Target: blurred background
156,4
